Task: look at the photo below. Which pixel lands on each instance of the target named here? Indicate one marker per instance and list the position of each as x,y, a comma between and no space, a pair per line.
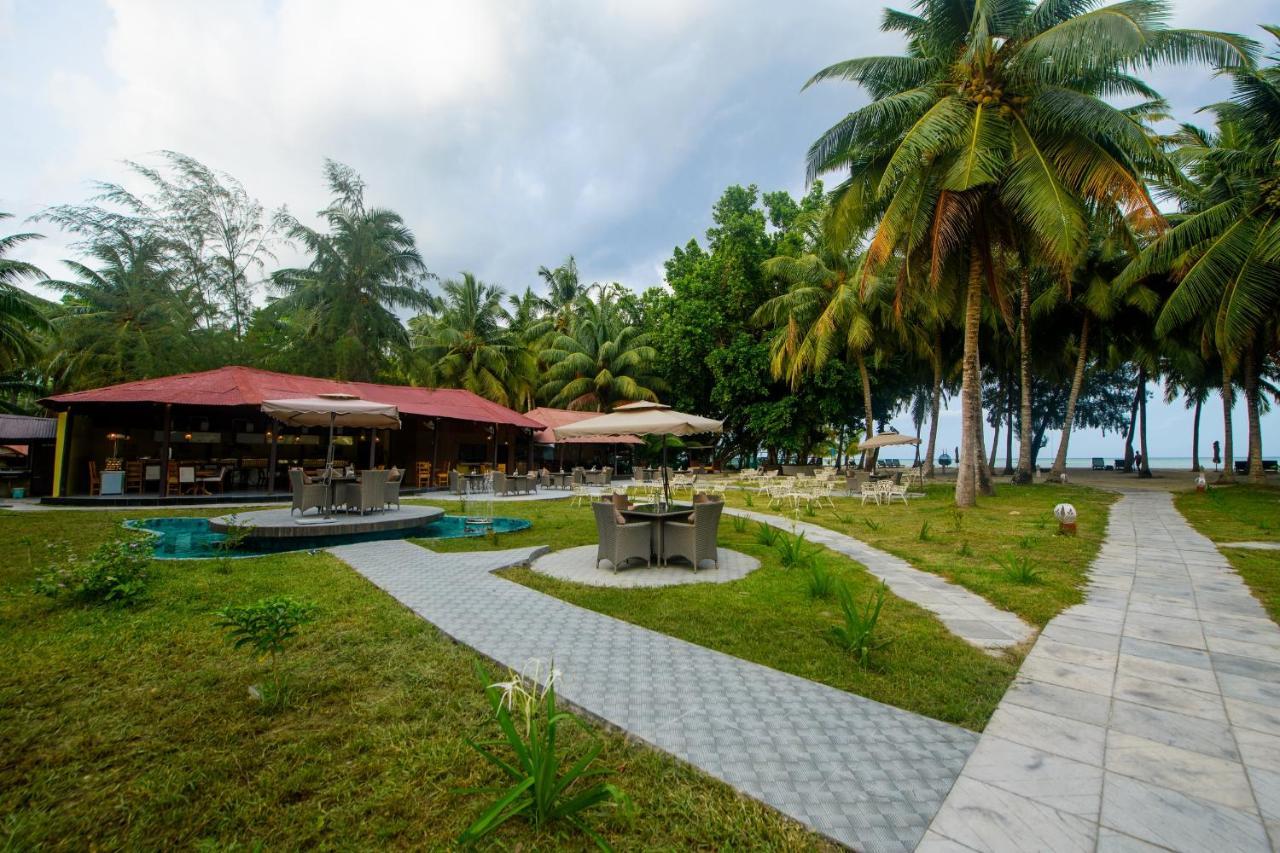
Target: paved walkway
967,615
1145,718
862,773
578,565
1252,546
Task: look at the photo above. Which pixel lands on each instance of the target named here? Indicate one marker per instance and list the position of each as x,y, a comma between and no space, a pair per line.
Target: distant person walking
1137,460
1217,454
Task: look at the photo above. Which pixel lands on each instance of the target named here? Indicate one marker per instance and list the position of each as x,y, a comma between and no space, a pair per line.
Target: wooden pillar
164,449
435,451
373,443
272,457
62,455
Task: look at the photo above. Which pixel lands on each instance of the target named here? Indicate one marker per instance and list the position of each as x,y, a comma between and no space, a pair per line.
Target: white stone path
1146,718
864,774
967,615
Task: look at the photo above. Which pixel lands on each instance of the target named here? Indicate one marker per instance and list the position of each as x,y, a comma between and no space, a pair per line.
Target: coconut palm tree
601,362
563,291
21,317
467,342
362,269
123,320
1224,250
990,139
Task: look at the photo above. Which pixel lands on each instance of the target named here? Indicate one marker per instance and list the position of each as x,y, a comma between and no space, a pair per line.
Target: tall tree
467,342
564,288
991,138
21,317
362,270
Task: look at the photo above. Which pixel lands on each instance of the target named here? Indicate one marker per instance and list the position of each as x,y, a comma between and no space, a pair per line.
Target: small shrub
233,538
116,572
766,535
739,523
857,634
265,628
871,524
749,499
1018,568
810,511
923,535
845,518
957,520
1027,542
1042,521
821,582
793,551
545,785
964,550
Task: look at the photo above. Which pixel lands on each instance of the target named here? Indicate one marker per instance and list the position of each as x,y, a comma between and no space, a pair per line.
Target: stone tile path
1252,546
967,615
1146,718
865,774
579,566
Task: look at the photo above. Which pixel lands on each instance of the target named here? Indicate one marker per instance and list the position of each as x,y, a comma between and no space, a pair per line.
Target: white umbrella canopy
887,439
644,419
335,410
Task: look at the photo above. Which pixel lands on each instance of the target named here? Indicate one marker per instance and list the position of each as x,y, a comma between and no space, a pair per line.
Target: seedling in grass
232,538
1043,520
957,520
845,518
793,551
1027,542
871,524
739,524
821,583
857,634
964,550
266,628
766,535
810,511
748,499
923,535
1019,569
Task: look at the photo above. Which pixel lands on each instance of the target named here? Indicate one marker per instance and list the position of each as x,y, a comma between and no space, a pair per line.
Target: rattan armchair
307,495
621,542
392,493
694,540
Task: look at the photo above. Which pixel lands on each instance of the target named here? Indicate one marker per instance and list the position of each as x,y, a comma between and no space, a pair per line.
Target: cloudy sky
510,134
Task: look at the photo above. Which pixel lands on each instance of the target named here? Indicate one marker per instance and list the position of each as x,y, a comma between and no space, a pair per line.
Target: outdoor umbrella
644,419
334,410
887,439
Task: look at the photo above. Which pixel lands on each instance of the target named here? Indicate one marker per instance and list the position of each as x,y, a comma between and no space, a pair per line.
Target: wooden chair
95,482
422,474
133,477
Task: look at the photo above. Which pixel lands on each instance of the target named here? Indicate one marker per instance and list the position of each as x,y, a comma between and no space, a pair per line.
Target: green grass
966,546
1242,514
769,617
133,728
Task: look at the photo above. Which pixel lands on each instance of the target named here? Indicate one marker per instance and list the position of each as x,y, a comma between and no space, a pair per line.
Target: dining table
559,479
658,514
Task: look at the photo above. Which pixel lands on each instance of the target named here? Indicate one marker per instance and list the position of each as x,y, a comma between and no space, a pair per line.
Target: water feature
180,538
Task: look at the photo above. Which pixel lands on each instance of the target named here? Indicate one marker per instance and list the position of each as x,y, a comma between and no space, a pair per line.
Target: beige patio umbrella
887,439
334,410
644,419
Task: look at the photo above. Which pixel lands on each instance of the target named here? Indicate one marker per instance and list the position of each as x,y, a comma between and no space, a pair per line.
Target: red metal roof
560,417
248,386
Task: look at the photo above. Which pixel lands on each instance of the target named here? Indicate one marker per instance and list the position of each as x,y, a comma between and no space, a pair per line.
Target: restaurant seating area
657,533
369,491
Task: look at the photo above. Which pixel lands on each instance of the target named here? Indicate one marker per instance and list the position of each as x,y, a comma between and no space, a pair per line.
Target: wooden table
657,514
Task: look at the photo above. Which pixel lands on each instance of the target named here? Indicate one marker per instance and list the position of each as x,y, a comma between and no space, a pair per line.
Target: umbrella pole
666,486
328,467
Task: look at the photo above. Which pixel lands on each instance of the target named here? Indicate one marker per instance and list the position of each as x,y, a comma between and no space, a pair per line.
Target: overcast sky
509,134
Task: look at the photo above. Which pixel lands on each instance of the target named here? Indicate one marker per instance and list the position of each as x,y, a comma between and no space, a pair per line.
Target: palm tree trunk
1195,438
1144,470
1023,474
1077,382
1008,431
1228,400
1252,411
1133,426
970,393
866,406
986,487
995,446
935,406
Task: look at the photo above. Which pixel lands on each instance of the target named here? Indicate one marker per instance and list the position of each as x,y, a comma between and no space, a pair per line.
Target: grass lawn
1242,514
963,546
769,618
132,727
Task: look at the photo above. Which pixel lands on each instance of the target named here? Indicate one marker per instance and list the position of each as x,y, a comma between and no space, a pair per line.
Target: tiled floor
968,615
865,774
1145,718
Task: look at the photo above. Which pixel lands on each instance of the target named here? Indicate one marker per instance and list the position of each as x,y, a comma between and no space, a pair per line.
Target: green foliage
1027,542
957,520
794,552
871,524
234,536
115,572
749,499
767,535
857,634
821,583
541,789
845,518
739,523
266,628
1019,568
964,550
923,535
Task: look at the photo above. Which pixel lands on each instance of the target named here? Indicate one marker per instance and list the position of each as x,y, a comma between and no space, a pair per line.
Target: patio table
657,514
518,482
594,478
560,479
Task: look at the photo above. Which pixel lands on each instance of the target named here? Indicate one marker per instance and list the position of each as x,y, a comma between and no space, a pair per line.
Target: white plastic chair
869,491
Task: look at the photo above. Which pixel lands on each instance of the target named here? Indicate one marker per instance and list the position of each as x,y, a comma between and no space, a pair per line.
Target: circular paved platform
579,566
282,524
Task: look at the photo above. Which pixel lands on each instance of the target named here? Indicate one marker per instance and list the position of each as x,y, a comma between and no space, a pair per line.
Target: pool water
192,538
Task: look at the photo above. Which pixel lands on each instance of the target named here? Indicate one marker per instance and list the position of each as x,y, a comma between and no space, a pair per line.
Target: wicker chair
694,540
369,495
392,495
501,486
621,542
306,495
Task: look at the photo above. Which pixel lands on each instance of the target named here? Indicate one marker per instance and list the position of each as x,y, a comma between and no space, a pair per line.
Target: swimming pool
179,538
